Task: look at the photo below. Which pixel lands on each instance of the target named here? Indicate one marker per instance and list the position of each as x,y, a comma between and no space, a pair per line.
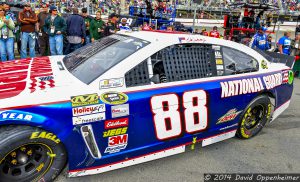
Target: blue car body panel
142,139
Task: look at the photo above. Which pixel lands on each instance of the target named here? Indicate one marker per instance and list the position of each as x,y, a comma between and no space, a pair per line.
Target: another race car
133,97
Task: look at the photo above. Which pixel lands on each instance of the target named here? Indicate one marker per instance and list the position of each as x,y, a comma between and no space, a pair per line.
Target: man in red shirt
214,32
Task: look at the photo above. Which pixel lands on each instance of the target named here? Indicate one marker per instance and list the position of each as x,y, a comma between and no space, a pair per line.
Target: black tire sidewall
21,137
266,103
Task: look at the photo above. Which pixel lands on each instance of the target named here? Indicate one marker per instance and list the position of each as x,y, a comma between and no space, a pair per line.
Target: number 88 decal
167,118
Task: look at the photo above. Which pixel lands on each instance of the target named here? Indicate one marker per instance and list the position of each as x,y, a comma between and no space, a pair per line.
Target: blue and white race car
133,97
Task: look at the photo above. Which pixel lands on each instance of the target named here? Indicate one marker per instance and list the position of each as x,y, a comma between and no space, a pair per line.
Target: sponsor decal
83,100
273,80
114,98
15,116
45,135
114,132
14,76
291,77
46,78
216,47
285,77
250,85
229,116
218,55
191,40
115,149
220,72
264,64
220,67
40,167
116,143
120,110
88,118
239,87
219,62
91,109
227,127
116,123
111,83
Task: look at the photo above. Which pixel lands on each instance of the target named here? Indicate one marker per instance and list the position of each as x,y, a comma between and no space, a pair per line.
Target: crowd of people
49,33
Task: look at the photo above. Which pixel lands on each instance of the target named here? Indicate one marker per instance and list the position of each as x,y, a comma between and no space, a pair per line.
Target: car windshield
91,61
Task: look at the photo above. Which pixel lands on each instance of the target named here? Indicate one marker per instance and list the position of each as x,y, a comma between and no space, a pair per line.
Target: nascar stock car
133,97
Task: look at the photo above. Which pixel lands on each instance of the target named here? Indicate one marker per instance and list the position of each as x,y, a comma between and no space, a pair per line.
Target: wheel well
272,98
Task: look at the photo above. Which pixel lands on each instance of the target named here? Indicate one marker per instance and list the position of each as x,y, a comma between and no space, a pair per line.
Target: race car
133,97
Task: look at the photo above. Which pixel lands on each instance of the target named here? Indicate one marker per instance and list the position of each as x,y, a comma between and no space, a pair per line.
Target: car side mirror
155,79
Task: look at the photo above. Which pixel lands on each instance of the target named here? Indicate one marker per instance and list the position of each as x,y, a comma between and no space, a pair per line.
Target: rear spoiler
275,57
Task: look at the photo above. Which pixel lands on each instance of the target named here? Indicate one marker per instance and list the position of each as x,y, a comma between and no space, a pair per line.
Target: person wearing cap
124,25
6,36
87,20
214,32
43,37
97,27
27,19
284,43
75,31
54,27
111,25
204,32
259,40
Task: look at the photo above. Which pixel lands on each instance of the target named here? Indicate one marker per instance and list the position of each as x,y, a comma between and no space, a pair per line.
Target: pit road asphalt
275,150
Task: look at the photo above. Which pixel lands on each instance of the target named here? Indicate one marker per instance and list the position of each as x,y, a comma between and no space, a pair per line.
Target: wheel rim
28,161
254,117
252,120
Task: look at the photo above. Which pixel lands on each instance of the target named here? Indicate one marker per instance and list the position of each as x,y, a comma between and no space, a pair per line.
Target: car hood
35,81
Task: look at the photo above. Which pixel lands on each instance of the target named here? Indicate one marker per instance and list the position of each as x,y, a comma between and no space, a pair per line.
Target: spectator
296,45
146,26
75,31
43,38
259,40
297,30
87,20
97,27
214,32
111,25
204,32
124,25
284,43
55,26
270,42
27,19
7,36
9,13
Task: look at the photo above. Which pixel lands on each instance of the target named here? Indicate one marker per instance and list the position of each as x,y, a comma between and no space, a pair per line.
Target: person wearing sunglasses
6,36
55,26
27,19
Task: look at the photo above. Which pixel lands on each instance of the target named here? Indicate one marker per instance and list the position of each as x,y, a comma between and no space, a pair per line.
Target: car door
171,102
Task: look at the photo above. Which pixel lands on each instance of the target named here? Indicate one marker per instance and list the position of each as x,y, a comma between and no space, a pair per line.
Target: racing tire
30,154
254,117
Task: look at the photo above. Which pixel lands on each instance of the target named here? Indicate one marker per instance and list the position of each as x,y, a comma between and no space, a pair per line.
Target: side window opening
174,63
236,62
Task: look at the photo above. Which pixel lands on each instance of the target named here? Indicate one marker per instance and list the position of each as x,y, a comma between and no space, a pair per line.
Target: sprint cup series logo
114,98
229,116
